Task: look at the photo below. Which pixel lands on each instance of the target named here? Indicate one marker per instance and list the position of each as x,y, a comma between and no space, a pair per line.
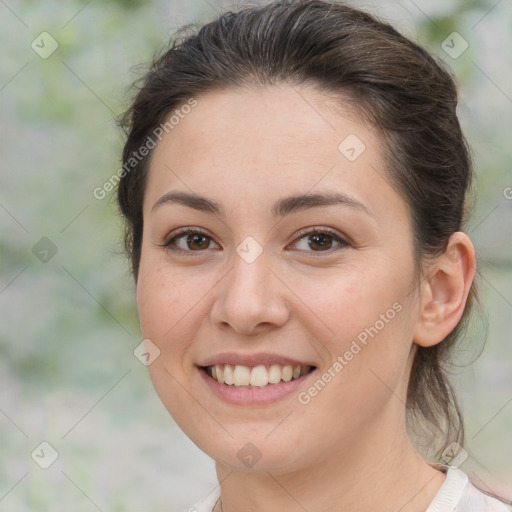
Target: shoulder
475,500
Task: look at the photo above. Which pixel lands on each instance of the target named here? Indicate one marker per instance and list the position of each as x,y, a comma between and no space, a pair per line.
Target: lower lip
253,396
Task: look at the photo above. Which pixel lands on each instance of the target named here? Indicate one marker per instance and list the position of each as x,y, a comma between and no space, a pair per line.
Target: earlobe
444,291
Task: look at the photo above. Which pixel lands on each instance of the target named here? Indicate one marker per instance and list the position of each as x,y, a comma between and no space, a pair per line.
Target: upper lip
235,358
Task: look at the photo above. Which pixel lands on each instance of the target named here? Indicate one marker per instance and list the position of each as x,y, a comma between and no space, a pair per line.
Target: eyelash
300,234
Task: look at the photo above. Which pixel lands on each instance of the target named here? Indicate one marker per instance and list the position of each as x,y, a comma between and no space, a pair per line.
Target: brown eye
320,241
189,241
197,241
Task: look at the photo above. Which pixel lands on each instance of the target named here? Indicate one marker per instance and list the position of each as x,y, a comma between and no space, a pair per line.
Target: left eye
320,241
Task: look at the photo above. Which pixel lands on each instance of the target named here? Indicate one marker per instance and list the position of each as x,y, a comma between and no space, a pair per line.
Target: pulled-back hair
389,82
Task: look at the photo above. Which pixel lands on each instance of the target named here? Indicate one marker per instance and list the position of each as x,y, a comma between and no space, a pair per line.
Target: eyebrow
282,207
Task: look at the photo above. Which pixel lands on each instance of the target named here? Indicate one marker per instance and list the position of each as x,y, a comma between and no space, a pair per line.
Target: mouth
260,376
254,379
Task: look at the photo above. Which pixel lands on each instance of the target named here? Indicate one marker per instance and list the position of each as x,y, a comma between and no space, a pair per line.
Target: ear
444,291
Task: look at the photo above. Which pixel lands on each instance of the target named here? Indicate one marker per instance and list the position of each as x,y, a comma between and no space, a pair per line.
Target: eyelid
184,231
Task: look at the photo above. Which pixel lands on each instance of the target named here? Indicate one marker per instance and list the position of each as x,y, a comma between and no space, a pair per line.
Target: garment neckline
450,493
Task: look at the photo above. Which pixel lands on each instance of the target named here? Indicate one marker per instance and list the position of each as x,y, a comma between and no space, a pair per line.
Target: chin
253,452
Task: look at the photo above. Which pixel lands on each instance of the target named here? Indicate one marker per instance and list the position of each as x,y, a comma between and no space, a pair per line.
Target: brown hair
392,83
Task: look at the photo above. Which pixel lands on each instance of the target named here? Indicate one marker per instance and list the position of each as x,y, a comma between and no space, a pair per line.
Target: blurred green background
68,327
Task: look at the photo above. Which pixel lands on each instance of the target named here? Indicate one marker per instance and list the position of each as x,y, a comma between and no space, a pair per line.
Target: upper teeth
259,376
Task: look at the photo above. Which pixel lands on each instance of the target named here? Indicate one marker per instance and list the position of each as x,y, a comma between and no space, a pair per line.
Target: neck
374,473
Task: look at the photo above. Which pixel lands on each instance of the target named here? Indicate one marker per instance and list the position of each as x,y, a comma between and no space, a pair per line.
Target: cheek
369,334
168,301
352,302
156,304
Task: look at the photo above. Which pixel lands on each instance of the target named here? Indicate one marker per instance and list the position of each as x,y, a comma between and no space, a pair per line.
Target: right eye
188,240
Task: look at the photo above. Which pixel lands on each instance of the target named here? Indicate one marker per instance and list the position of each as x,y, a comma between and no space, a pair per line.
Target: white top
457,494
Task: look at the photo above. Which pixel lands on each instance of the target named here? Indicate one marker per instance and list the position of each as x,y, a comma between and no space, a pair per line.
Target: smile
261,380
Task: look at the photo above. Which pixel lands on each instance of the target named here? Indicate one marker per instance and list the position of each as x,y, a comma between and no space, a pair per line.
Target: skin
347,449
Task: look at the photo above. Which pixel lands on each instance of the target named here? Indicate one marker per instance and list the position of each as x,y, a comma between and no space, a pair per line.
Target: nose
251,298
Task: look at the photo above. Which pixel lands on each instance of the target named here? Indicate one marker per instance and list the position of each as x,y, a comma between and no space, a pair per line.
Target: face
294,265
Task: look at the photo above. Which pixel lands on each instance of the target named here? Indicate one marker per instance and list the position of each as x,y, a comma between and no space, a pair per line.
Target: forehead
285,118
265,143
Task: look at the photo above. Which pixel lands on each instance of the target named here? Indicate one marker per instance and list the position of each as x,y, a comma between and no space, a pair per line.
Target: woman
294,189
